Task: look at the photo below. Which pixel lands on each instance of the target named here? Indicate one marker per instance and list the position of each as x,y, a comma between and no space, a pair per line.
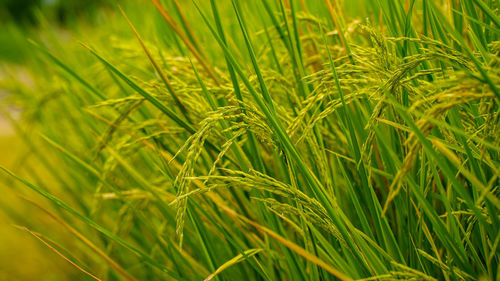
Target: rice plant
265,140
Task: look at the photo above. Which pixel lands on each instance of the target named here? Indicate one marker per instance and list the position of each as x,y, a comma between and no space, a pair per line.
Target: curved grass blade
239,258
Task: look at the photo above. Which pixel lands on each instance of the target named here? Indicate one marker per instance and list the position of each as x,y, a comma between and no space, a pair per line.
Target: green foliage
272,140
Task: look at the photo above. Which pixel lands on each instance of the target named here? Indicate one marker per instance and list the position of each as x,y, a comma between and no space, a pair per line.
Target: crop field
267,140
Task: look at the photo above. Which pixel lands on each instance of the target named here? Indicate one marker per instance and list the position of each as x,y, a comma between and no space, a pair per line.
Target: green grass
267,140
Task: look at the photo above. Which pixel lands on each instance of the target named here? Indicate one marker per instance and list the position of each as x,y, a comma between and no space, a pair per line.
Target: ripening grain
265,140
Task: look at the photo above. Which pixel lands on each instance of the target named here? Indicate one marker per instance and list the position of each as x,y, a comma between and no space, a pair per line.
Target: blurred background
22,256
